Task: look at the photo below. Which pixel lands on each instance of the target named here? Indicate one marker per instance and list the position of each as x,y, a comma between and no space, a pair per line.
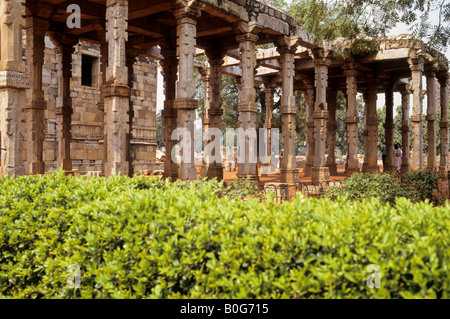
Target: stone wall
87,148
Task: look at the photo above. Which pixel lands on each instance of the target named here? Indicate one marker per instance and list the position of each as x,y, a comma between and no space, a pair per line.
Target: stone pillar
389,126
370,156
309,97
416,66
64,109
443,82
130,60
35,110
204,72
288,109
320,171
101,102
213,114
116,91
405,91
332,127
247,104
13,83
185,102
269,91
431,120
169,113
352,119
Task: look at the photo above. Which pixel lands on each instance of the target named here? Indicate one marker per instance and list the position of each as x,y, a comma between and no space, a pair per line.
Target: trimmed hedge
419,185
142,238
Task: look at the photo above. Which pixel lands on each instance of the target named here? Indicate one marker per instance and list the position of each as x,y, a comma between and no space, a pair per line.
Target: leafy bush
146,238
417,186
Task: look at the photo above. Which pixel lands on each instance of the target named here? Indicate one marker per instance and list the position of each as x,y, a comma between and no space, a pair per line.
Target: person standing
383,156
398,157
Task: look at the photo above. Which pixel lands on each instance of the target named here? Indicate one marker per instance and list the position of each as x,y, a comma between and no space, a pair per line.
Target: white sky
401,28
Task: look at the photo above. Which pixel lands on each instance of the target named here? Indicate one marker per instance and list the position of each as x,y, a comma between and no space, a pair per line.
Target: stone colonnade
19,88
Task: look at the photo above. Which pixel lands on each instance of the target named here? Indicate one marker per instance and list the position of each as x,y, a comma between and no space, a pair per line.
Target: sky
399,29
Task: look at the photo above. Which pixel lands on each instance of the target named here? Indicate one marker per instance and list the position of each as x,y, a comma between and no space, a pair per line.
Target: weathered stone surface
416,65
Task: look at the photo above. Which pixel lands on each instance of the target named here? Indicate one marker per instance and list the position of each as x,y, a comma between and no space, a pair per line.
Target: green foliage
146,238
419,185
361,186
362,21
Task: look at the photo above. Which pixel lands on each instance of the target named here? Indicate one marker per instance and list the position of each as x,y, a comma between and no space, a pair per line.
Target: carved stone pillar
35,110
204,72
101,102
309,97
288,109
372,128
213,113
13,83
405,91
389,127
116,91
416,66
169,113
269,91
332,127
431,120
64,109
443,82
185,102
130,60
352,119
320,171
247,107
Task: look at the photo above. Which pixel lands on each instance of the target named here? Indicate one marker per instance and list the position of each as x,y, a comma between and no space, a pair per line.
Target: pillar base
173,176
370,169
249,177
36,168
349,171
320,174
389,168
213,172
443,169
332,168
308,169
187,172
289,176
405,168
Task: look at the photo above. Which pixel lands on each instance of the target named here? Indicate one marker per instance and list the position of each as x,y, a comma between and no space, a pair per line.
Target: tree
363,21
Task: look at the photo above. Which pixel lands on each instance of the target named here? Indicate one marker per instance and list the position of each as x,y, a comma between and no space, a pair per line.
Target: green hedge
419,185
141,238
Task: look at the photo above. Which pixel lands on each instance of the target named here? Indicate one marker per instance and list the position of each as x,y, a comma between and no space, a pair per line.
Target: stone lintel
288,109
320,115
185,104
119,90
110,3
14,80
352,120
247,107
